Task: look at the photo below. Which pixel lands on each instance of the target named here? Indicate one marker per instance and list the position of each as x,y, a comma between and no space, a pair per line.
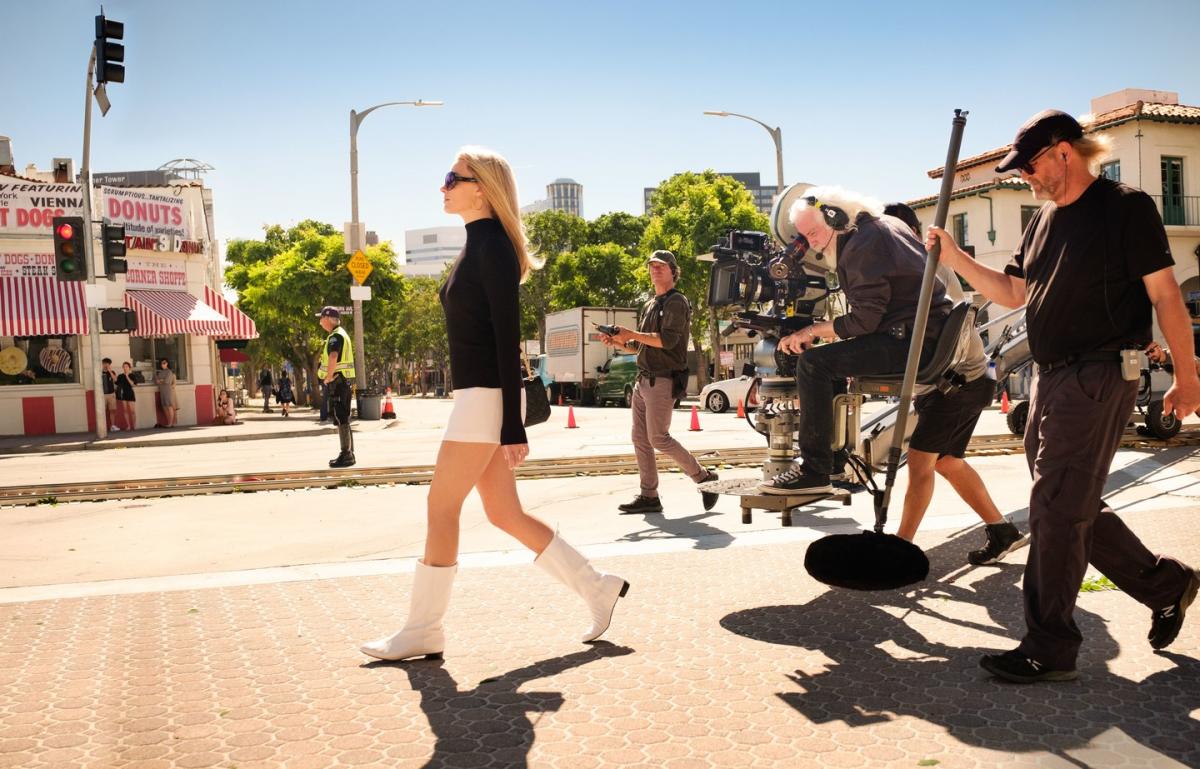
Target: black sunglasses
1028,166
453,179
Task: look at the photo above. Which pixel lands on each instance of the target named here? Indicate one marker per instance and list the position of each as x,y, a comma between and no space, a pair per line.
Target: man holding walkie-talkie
661,346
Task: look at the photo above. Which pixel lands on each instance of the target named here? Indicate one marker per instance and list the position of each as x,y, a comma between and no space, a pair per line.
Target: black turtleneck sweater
483,320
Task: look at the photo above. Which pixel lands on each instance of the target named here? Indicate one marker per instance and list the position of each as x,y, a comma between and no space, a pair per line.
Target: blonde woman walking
485,438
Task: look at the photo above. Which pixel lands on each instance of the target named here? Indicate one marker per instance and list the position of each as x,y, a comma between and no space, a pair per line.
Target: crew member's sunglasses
1028,167
453,179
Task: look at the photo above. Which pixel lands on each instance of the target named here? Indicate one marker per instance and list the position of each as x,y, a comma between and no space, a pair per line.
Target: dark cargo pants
1076,418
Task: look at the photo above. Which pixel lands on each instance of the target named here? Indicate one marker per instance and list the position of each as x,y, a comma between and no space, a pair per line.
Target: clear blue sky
608,93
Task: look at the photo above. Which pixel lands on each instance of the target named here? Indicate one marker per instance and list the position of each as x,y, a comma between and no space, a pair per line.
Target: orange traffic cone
741,412
695,428
1004,401
560,402
571,418
389,412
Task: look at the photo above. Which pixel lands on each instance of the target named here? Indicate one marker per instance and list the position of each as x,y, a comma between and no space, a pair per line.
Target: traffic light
70,255
113,242
109,54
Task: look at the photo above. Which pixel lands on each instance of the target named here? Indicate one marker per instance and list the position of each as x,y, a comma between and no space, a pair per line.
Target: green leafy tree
624,229
596,275
550,233
689,213
285,279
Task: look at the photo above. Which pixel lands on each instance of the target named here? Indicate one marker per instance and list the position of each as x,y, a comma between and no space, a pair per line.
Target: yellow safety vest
345,364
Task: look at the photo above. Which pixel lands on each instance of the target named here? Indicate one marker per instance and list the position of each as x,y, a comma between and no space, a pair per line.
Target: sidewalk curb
137,443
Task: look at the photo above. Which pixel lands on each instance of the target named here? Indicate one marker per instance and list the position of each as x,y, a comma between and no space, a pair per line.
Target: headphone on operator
836,218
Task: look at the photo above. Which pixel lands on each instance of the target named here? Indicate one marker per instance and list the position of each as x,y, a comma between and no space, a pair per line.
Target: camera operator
661,347
880,265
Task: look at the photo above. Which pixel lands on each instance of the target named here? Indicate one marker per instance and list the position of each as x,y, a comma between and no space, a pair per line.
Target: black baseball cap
667,258
1038,133
329,311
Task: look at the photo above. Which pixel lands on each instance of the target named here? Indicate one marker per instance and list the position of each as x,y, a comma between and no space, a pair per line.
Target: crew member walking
485,438
661,345
1092,263
336,371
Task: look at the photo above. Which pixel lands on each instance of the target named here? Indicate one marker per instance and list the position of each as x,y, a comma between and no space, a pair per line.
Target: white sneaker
115,429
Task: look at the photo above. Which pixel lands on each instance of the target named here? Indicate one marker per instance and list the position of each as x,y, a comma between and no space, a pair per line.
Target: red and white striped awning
165,313
241,323
41,306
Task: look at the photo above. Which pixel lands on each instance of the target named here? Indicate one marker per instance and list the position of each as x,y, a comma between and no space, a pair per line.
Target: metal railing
1179,210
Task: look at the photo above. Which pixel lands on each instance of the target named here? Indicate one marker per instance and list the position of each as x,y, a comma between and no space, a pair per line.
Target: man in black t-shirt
1091,265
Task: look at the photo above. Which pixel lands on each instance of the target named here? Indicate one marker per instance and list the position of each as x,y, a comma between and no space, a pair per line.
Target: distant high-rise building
372,238
764,197
565,195
428,251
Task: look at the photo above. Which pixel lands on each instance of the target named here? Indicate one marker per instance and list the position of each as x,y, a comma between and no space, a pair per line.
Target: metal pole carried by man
1092,264
337,371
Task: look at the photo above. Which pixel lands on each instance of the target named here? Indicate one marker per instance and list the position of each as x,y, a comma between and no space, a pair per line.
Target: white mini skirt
477,414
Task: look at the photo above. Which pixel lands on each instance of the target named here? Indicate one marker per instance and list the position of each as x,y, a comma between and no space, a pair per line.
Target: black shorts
945,422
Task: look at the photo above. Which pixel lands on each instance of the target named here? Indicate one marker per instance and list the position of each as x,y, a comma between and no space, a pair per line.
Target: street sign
360,293
359,266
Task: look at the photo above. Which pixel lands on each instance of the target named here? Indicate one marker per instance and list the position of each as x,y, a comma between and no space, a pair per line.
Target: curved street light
776,135
356,119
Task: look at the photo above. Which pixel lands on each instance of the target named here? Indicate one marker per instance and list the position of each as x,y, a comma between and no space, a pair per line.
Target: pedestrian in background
337,372
485,439
164,377
266,384
126,396
661,345
108,379
285,397
226,414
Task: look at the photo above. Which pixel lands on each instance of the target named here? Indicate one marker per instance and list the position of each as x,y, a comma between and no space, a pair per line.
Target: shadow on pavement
883,667
492,720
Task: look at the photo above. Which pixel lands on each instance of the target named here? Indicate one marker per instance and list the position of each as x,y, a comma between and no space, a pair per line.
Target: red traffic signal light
70,253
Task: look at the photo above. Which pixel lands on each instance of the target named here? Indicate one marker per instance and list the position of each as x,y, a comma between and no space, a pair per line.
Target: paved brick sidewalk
722,657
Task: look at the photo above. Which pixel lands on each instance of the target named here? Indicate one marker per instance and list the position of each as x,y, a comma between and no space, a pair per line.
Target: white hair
851,202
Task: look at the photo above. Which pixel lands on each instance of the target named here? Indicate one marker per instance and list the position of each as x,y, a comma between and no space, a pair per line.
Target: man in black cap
1092,263
337,371
661,344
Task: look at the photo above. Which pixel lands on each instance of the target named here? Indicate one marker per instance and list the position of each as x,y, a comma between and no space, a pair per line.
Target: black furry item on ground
866,561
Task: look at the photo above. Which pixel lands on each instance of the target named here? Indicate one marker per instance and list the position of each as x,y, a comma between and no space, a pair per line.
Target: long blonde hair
500,190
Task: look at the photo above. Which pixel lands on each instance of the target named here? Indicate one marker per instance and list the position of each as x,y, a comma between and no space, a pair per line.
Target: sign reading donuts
146,214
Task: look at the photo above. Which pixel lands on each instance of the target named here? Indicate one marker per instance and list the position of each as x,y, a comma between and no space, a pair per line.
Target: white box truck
574,350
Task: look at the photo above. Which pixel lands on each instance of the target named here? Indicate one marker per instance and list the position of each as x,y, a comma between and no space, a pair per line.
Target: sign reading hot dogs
146,214
29,208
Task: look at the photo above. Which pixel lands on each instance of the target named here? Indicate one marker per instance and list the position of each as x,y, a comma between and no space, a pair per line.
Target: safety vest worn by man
345,364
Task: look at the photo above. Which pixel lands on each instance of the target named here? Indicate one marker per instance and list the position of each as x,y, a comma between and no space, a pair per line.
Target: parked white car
718,397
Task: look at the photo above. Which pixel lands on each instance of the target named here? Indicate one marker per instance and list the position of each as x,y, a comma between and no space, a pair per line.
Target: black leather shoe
1016,667
345,459
642,504
709,497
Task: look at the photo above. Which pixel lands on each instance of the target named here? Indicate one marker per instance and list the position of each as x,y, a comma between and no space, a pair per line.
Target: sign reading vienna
359,266
29,208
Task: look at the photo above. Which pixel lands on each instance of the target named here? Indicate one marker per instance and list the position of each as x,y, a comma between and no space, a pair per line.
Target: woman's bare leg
497,488
459,467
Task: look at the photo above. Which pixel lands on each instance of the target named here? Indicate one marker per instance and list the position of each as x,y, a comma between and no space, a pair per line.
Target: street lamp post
356,119
776,134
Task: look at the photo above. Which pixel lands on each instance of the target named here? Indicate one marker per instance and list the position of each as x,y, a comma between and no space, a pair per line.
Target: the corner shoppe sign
153,221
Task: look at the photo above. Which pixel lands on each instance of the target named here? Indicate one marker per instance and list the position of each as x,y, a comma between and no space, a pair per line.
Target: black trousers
821,373
1075,423
339,399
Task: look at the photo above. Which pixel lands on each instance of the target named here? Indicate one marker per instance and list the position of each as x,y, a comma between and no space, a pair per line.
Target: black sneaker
1016,667
1165,623
709,497
795,481
1002,539
642,504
